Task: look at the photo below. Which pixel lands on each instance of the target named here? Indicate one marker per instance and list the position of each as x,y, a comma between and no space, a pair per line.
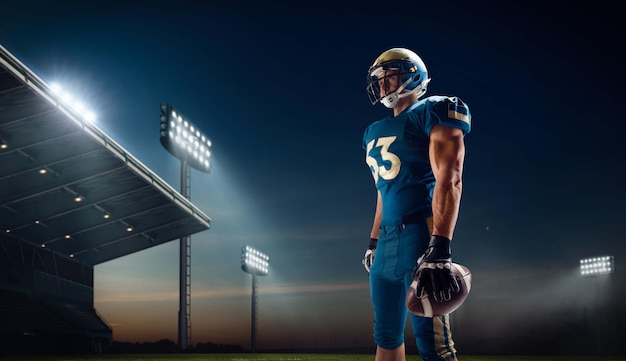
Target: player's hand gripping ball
425,304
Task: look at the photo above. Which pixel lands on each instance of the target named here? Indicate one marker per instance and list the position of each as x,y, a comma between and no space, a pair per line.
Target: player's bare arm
447,153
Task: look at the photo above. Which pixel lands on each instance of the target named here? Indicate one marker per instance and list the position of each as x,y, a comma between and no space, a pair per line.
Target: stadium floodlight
73,102
254,262
257,264
184,140
596,266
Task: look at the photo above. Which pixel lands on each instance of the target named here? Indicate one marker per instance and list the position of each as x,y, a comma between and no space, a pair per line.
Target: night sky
279,87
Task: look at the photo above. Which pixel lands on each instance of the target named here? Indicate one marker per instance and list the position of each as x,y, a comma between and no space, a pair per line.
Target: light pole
257,264
595,267
185,142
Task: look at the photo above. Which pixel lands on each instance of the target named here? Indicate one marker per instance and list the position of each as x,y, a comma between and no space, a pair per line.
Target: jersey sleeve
450,112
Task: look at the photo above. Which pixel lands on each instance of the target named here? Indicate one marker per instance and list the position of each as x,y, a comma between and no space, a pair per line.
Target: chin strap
392,99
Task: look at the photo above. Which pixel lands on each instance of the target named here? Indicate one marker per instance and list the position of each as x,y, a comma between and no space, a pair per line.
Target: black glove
434,267
368,259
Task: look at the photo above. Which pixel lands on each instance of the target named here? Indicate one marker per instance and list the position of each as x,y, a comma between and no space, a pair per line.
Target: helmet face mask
412,73
385,82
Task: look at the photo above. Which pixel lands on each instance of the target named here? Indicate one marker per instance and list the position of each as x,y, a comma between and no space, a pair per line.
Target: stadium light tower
185,142
595,267
257,264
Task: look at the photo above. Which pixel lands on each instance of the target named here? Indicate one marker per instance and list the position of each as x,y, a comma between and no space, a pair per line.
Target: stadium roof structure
67,187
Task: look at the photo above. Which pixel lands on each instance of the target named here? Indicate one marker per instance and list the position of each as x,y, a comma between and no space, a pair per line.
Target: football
426,306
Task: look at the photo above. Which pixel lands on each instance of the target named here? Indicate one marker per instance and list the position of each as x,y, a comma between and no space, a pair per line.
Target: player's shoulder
443,101
446,110
451,106
438,104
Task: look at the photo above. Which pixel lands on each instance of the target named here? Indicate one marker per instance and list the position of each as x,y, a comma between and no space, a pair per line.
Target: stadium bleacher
70,198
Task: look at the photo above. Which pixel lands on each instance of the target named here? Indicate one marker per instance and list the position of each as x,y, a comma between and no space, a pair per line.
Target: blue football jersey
397,154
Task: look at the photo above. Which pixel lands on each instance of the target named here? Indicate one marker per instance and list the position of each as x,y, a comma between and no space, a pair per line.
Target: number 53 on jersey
390,163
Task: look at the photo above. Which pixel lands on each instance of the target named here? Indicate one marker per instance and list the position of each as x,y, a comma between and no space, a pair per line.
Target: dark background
279,87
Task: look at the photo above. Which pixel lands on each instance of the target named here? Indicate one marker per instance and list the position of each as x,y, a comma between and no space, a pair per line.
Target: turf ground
292,357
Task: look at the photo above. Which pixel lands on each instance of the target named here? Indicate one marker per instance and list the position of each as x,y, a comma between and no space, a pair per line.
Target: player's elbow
455,186
451,182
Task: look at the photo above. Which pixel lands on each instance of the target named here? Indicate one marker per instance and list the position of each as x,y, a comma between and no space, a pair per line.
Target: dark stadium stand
70,198
19,313
85,319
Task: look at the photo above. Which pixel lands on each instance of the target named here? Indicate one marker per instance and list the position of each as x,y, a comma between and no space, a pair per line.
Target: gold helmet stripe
392,54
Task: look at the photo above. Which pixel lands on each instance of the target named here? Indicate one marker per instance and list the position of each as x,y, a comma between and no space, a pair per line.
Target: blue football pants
397,251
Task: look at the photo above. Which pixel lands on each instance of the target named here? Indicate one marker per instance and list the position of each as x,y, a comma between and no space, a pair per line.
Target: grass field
292,357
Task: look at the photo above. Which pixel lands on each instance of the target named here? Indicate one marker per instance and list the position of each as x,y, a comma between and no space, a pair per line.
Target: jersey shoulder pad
451,111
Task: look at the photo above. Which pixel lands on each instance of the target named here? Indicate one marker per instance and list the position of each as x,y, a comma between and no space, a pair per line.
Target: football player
416,157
